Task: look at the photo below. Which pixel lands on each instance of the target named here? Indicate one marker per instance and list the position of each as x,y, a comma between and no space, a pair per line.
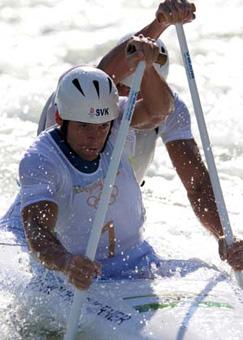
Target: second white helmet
162,70
87,94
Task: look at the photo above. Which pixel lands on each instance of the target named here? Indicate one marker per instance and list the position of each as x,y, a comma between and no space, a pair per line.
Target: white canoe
204,304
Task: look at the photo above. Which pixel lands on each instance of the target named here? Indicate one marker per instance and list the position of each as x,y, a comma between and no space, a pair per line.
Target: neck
77,161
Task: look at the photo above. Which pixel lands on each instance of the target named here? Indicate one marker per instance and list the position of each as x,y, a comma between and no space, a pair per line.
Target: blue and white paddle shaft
79,296
219,198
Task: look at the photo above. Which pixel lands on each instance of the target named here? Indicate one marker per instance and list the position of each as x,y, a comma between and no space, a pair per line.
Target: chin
90,157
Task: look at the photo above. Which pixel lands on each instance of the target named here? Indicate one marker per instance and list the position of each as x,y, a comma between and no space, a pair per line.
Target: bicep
115,64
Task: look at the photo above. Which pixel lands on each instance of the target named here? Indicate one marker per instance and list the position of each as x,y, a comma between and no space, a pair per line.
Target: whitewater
40,39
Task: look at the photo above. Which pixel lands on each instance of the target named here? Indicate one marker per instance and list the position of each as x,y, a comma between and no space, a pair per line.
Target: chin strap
63,129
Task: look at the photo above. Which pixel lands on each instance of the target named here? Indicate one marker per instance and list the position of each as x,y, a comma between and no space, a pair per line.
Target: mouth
92,149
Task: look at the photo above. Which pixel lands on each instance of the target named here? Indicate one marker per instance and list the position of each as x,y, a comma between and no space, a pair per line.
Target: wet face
86,139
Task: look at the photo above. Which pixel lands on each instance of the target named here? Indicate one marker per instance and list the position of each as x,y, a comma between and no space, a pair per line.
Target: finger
80,284
182,11
133,47
236,261
77,276
151,39
87,264
237,266
168,11
98,270
164,13
176,12
235,248
92,267
80,272
140,36
193,7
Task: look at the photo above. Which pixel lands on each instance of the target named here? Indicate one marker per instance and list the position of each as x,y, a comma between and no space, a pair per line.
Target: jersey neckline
78,162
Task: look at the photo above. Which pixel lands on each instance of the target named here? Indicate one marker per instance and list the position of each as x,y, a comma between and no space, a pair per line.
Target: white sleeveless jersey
177,126
46,174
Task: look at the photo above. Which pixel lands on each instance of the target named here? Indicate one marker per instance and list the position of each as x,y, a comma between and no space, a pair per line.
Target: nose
94,133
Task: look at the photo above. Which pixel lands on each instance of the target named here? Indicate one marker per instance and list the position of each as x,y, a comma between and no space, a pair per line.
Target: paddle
79,296
223,214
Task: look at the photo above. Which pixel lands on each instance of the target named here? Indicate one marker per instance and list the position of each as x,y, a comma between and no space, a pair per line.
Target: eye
83,125
105,125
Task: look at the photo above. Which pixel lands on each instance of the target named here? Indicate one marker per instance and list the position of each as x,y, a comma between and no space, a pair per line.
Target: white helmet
87,94
162,70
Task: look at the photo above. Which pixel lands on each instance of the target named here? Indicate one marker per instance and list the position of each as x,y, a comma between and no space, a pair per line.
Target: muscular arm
156,103
39,223
156,99
187,161
194,176
168,13
114,62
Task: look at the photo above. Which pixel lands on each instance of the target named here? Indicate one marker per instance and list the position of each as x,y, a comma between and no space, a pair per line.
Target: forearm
115,63
168,13
154,29
46,248
204,206
187,161
157,96
39,221
50,252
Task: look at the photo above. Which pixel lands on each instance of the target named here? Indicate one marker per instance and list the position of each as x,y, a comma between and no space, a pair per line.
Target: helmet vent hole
97,87
77,85
110,84
163,49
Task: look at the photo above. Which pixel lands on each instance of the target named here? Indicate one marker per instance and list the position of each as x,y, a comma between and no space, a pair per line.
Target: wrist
64,261
147,69
161,23
155,28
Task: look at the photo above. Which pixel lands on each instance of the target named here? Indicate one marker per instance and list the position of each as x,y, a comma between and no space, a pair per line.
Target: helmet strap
107,136
64,128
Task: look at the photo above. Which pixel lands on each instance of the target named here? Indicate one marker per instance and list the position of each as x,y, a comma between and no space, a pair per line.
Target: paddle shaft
79,296
224,218
223,214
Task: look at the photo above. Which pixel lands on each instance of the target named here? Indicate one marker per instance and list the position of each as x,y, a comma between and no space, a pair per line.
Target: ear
58,118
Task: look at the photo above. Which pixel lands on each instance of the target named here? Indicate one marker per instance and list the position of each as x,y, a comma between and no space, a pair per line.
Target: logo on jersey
99,112
93,192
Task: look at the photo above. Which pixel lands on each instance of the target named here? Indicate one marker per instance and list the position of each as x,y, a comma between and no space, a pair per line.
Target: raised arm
114,62
156,99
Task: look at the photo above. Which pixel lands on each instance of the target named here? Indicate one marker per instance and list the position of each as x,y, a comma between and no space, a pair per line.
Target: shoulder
43,144
41,158
122,103
47,117
179,104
